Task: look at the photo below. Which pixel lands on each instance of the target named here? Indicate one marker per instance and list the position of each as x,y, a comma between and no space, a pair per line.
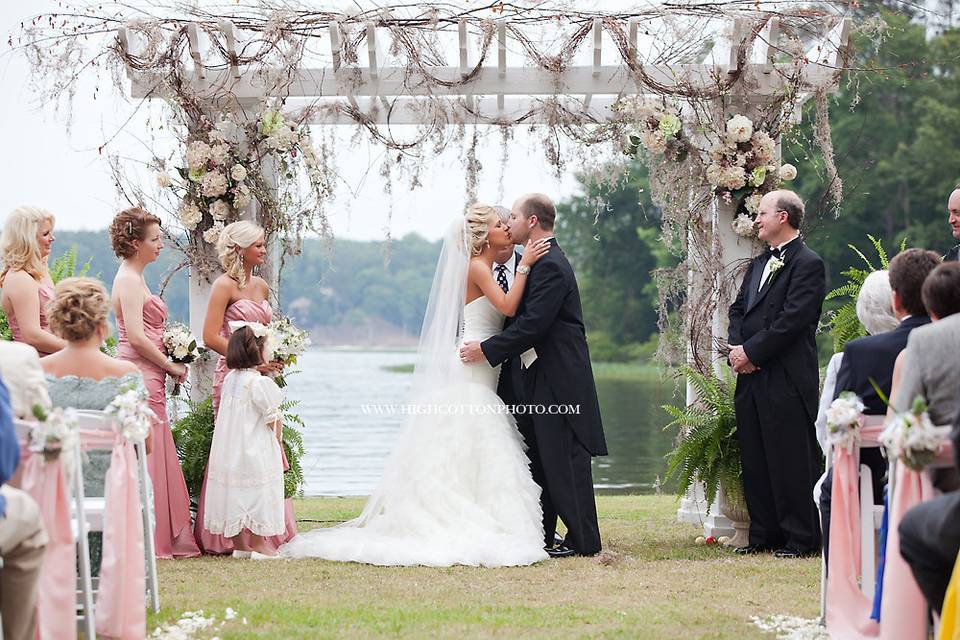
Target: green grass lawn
656,584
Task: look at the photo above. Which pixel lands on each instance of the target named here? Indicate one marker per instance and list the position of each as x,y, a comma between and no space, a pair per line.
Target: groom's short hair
537,204
791,203
941,290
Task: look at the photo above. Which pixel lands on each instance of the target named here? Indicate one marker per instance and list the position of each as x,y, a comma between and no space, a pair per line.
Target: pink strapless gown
210,542
173,535
45,293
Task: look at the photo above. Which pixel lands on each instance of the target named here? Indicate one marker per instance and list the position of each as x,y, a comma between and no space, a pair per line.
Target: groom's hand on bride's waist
471,352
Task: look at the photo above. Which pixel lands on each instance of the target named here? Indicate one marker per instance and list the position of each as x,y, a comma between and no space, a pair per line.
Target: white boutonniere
775,264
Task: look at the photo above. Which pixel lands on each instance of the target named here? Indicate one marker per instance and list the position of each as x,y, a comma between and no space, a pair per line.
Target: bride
457,487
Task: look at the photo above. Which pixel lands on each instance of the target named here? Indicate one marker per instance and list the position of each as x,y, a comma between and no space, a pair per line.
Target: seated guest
930,536
20,369
870,360
932,357
22,538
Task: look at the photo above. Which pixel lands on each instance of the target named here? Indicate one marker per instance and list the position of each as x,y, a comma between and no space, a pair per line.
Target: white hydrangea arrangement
911,437
132,413
54,432
181,346
285,342
656,127
843,420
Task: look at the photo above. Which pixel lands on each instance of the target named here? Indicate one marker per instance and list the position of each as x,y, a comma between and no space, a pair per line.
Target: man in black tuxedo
773,325
548,336
953,206
870,360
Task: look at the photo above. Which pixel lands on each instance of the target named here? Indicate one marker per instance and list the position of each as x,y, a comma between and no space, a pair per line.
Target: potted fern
707,449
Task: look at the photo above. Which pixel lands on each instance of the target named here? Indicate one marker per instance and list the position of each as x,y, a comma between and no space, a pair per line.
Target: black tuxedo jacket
508,384
550,320
953,255
777,325
873,357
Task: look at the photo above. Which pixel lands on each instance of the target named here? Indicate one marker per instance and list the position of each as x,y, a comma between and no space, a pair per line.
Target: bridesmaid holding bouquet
135,236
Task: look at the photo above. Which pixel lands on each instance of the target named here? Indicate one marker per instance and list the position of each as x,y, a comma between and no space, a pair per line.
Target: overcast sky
42,165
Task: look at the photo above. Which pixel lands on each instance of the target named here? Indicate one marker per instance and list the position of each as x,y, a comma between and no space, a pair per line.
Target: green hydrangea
270,122
670,125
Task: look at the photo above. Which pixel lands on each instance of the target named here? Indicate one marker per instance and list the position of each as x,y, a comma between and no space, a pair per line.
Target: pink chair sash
120,608
47,485
903,609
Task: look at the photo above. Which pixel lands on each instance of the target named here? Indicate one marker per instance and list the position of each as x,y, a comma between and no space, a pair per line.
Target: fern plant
707,450
193,435
843,323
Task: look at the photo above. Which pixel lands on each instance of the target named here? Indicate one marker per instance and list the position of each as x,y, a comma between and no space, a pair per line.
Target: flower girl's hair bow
258,329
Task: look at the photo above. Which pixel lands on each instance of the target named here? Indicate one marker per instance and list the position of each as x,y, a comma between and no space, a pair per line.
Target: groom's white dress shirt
510,273
766,267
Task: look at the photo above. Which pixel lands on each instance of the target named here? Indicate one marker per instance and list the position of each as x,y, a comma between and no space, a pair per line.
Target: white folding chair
85,610
95,507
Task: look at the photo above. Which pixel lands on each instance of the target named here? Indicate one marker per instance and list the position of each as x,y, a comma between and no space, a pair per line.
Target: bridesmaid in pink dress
25,279
135,236
237,295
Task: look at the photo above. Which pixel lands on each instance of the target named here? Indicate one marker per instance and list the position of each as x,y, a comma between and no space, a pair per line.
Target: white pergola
505,90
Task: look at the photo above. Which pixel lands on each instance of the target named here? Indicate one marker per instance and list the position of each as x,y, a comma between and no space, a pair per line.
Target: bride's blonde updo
79,307
478,219
19,248
235,238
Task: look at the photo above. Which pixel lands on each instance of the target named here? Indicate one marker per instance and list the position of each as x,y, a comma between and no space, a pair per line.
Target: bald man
773,326
953,206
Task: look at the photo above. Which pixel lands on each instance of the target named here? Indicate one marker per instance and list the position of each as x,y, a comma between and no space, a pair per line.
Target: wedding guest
953,207
772,335
25,279
135,237
237,295
244,490
930,536
932,357
22,538
20,368
870,360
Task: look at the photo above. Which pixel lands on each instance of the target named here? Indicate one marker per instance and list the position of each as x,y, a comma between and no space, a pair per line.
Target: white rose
163,180
238,173
787,172
220,210
190,216
213,184
180,352
739,128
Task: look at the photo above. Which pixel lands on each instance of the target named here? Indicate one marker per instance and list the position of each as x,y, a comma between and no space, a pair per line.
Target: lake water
346,448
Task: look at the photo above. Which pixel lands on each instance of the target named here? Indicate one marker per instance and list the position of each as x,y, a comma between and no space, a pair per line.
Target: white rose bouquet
911,437
181,346
132,413
56,431
285,342
843,420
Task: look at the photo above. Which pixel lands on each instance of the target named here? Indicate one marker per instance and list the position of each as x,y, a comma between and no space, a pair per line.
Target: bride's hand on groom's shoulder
533,251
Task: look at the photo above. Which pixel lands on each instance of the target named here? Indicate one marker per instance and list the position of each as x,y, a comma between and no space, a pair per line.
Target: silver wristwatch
523,269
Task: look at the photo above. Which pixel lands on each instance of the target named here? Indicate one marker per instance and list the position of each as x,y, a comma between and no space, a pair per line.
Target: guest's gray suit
931,363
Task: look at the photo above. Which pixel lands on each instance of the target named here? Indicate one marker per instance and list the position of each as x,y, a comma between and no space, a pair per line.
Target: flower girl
244,498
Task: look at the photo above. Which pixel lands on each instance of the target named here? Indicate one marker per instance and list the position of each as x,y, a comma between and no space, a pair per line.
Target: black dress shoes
560,551
751,549
790,552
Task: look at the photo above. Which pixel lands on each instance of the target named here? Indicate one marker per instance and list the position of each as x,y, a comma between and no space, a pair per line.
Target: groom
548,336
773,326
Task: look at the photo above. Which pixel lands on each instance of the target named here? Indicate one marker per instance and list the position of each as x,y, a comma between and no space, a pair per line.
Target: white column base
693,508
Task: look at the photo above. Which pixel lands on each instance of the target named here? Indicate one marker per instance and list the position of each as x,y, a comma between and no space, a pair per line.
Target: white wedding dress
457,488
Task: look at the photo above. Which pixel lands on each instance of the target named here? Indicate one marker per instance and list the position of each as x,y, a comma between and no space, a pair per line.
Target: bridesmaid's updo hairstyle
234,239
244,350
19,249
127,227
478,219
79,307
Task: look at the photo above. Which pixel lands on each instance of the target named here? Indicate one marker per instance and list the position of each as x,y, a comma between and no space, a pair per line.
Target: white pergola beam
765,46
828,50
193,38
501,58
485,110
516,81
230,38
